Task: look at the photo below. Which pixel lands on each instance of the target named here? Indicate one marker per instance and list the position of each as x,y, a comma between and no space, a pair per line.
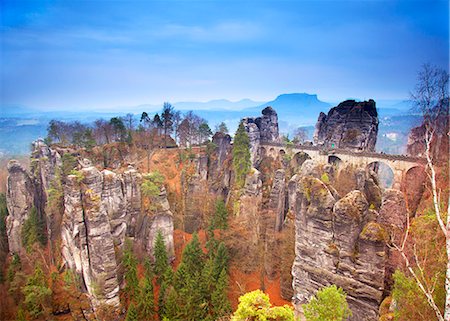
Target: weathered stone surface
19,200
351,124
251,202
439,148
268,124
264,128
336,244
114,202
87,239
132,180
161,220
219,166
393,218
254,136
277,200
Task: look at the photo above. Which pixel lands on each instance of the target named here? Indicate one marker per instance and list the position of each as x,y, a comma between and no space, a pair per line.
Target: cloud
228,31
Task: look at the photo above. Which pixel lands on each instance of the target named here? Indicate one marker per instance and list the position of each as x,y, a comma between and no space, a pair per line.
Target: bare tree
300,136
431,100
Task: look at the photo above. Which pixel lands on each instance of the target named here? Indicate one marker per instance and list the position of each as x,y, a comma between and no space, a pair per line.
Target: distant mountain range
22,124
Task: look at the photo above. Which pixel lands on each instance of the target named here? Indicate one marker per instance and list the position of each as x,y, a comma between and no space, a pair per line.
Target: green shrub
329,304
256,306
325,178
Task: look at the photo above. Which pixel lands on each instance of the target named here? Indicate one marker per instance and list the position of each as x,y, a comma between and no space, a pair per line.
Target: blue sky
105,54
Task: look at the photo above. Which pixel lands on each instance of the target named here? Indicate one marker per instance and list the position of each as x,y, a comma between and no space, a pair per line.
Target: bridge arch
385,173
334,160
299,158
262,152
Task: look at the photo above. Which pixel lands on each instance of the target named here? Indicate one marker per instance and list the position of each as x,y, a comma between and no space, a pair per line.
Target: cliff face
337,242
264,128
439,144
352,125
88,243
19,200
100,209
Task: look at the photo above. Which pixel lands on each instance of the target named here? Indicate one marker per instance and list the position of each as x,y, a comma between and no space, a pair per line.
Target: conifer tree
172,307
220,261
130,265
167,281
241,155
33,230
37,294
220,218
161,256
132,314
207,284
219,300
146,302
193,256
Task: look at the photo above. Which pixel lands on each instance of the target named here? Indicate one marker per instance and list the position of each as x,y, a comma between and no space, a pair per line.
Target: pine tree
130,265
167,281
33,230
146,302
161,256
220,260
37,294
241,155
207,284
132,314
172,306
212,243
219,300
193,256
220,219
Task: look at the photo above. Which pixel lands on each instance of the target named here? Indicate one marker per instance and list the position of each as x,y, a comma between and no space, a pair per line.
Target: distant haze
107,55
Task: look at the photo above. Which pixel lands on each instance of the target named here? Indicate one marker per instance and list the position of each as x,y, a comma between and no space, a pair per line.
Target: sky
95,55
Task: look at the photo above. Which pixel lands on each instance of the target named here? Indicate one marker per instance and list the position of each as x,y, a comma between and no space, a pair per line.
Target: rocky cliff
264,128
99,209
338,241
20,199
351,124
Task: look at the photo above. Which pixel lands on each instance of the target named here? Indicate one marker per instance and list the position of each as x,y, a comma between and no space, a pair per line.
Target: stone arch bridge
400,165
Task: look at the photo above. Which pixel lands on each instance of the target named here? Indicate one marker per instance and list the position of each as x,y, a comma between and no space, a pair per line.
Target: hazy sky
100,54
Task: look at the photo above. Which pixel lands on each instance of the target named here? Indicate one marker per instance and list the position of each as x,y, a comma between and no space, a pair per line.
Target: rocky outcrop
439,147
219,165
277,200
251,202
20,200
264,128
352,125
132,181
393,218
101,209
336,242
114,202
87,238
161,220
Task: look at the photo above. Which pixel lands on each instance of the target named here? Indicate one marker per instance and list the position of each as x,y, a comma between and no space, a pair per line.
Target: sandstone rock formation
219,165
264,128
87,239
336,242
439,143
19,199
161,220
277,200
101,208
352,125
